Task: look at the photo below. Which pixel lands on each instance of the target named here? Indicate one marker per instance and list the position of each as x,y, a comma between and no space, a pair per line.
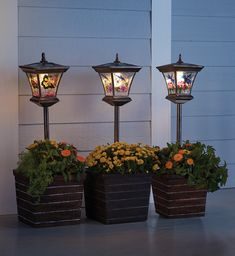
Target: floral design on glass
122,83
184,82
170,81
107,82
34,84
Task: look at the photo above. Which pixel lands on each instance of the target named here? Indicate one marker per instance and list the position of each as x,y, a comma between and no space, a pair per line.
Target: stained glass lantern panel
170,82
106,79
185,81
122,83
34,84
49,84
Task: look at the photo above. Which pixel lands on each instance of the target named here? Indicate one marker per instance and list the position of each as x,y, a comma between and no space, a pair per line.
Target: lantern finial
43,60
180,59
117,59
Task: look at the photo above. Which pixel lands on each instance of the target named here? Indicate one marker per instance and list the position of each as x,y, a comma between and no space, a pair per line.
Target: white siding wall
8,103
203,31
81,34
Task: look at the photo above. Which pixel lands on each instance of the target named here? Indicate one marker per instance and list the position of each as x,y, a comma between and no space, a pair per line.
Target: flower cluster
195,161
121,157
45,159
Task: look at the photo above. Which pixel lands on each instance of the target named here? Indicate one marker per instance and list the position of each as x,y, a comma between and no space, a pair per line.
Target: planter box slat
53,189
121,187
50,216
117,204
180,202
47,207
117,194
48,223
50,198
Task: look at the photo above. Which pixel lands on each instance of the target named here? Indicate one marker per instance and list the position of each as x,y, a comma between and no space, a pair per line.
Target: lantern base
44,102
179,99
116,101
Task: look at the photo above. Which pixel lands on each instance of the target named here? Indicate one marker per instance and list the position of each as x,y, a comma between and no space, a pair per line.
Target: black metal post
46,122
116,123
179,123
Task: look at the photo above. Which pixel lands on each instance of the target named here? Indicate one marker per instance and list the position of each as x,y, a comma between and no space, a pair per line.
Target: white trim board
161,54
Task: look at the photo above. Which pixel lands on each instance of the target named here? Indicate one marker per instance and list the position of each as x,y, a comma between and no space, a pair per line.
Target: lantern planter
117,184
116,198
59,205
49,184
174,198
187,172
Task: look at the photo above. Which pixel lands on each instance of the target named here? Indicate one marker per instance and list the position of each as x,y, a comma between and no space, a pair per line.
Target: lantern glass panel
170,82
48,84
185,81
106,79
122,83
33,80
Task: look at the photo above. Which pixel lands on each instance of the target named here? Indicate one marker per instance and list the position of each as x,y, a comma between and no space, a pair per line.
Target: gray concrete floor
213,234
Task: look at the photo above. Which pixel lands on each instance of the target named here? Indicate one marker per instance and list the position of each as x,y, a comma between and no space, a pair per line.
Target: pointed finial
117,59
180,59
43,60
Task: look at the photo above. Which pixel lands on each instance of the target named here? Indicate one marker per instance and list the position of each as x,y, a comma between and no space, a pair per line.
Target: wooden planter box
174,198
59,205
116,198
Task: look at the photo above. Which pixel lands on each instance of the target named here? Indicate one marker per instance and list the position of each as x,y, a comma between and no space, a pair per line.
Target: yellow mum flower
97,157
121,152
102,159
140,161
32,146
111,166
54,143
104,154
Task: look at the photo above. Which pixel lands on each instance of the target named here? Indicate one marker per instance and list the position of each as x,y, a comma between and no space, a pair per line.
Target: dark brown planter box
174,198
116,198
59,205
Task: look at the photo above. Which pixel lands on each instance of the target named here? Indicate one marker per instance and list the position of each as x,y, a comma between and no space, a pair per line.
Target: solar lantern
116,78
44,79
179,78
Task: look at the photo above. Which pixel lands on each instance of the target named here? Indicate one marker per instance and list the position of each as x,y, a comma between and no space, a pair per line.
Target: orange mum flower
190,161
188,145
181,151
168,165
81,159
66,152
178,157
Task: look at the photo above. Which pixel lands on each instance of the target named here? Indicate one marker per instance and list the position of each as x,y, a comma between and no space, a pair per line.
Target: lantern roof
180,66
116,66
44,66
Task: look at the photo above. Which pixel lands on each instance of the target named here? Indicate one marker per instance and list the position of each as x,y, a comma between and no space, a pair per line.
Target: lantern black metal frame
177,97
44,67
115,100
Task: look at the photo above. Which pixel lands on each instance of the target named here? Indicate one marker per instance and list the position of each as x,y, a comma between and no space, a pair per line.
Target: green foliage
197,162
45,159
